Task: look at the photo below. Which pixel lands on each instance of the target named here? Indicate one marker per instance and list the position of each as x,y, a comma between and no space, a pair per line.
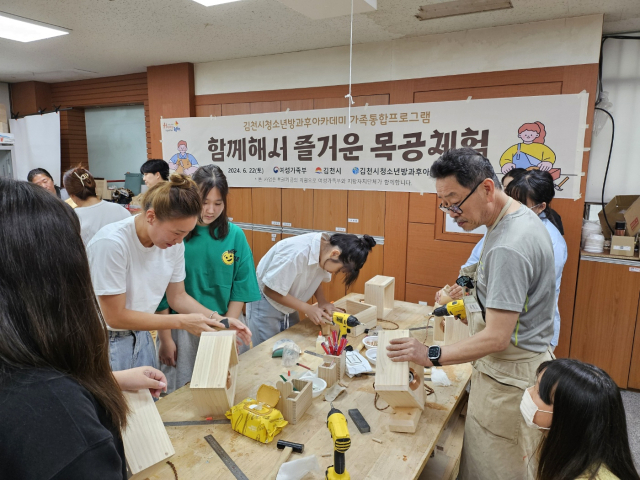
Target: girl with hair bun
292,272
135,261
92,212
532,152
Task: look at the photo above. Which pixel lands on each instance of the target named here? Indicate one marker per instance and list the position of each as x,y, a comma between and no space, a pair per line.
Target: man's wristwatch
433,354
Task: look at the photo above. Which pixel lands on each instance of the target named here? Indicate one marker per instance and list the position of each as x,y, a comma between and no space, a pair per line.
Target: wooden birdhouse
380,291
400,384
213,383
146,442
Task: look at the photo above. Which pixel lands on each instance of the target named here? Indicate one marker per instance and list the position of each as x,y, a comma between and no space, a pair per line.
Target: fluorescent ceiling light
209,3
26,30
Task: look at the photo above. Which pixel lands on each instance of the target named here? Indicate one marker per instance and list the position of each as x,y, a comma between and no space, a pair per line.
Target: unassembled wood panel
267,206
239,205
297,208
262,243
213,383
145,439
330,210
392,378
365,211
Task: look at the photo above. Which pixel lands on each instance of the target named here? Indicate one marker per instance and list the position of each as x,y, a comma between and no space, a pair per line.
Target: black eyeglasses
456,208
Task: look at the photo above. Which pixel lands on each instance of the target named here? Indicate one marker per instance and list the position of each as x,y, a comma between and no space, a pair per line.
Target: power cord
606,171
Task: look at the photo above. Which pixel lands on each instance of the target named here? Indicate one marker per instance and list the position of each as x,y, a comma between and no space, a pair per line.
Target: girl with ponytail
135,261
92,212
293,271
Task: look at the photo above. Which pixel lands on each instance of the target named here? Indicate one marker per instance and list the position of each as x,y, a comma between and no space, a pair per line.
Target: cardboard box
622,245
622,208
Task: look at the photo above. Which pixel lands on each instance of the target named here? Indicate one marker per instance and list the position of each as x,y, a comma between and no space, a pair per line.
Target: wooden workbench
401,456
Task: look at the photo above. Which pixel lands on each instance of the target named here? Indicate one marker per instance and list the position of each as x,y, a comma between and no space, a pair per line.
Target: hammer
287,448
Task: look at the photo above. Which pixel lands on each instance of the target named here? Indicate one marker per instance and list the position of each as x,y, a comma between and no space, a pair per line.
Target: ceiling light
461,7
26,30
209,3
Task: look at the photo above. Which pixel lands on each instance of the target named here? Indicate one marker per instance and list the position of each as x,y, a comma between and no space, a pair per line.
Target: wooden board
399,455
365,313
146,442
392,378
380,291
215,372
454,330
292,404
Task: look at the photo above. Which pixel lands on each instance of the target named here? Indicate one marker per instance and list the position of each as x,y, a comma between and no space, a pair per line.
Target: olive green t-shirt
219,271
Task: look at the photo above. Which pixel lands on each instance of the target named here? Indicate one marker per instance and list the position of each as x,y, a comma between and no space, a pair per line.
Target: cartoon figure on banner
183,162
532,153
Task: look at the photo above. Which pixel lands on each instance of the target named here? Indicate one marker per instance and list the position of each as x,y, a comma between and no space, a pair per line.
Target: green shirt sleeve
245,283
164,304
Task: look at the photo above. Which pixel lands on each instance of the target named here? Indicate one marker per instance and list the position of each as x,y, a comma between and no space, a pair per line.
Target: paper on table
296,469
356,364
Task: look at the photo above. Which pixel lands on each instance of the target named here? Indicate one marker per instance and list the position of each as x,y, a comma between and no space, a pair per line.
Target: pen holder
333,373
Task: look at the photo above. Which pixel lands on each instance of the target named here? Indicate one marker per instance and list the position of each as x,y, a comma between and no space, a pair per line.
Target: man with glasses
510,313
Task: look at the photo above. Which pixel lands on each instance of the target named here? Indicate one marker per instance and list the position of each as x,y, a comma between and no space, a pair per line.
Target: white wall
116,140
621,78
571,41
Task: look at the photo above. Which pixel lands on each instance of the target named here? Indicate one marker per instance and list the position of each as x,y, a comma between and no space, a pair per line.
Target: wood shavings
377,440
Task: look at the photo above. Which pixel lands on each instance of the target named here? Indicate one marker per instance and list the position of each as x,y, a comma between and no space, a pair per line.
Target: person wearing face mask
509,309
220,274
536,190
579,408
293,271
135,261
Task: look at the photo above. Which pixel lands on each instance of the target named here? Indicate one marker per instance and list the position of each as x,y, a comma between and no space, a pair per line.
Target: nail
162,384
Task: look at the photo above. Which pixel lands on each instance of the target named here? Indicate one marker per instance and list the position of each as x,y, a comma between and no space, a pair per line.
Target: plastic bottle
319,341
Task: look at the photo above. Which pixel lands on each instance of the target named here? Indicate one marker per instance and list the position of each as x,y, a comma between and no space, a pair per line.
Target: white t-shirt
291,267
119,263
96,216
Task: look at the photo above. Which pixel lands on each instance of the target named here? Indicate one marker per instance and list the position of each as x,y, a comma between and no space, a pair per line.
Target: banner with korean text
385,148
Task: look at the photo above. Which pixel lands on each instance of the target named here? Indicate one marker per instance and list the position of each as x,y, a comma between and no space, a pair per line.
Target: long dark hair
207,178
354,252
537,186
514,174
49,315
588,427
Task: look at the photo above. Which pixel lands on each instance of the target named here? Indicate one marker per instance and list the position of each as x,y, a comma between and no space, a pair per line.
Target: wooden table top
400,455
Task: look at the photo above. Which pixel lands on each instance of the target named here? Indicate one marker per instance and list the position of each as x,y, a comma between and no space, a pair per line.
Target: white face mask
528,408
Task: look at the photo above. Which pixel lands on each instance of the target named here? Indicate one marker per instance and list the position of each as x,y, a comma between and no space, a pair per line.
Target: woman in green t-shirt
220,274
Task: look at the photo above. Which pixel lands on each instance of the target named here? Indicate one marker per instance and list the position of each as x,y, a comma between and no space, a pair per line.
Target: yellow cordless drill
345,322
337,424
455,308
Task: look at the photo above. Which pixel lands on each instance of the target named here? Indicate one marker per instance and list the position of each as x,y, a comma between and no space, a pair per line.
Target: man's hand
142,377
507,167
241,329
545,166
456,292
317,315
168,353
408,350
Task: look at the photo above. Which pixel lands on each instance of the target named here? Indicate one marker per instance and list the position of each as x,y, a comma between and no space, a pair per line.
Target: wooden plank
297,208
215,372
454,330
146,442
433,262
239,208
366,212
330,210
422,208
605,317
399,455
395,239
267,206
379,291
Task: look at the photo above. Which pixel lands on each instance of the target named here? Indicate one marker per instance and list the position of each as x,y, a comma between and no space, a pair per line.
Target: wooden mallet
287,448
